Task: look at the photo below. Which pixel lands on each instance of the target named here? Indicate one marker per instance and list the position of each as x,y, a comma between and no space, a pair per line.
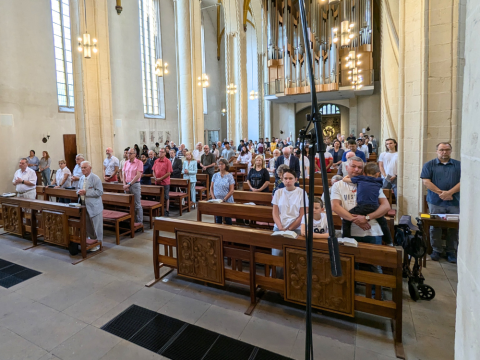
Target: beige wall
467,345
28,89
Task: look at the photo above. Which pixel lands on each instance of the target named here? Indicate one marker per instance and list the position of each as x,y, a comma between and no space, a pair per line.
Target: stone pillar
242,93
196,53
93,95
185,73
467,326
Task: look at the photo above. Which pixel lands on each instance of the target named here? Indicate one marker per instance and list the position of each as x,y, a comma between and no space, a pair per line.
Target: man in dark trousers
288,159
176,165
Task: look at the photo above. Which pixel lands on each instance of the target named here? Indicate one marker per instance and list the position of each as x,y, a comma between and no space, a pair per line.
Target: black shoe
167,214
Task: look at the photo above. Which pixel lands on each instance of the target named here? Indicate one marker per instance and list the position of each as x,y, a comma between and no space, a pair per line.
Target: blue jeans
46,177
391,185
219,220
436,232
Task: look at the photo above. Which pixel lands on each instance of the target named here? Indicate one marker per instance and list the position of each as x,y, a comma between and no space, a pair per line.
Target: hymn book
287,233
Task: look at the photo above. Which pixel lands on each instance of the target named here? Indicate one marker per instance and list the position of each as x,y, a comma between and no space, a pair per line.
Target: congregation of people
363,169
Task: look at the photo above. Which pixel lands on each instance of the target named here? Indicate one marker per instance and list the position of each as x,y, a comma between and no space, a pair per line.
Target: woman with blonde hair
258,177
189,172
44,168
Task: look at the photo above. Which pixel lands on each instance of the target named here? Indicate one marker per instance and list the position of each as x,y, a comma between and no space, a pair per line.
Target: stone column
185,73
93,95
196,36
242,93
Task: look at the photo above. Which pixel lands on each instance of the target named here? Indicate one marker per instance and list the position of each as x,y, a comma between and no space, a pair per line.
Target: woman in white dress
245,157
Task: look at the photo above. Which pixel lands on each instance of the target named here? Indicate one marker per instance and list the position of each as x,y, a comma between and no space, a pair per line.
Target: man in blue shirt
352,145
441,176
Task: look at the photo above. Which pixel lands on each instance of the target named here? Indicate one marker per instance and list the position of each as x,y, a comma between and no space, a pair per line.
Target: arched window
151,50
63,53
330,109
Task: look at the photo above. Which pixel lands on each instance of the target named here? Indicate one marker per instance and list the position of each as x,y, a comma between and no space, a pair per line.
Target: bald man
90,191
288,159
110,166
342,169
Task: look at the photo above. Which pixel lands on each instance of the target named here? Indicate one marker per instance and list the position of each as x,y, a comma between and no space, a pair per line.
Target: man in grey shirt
227,153
207,162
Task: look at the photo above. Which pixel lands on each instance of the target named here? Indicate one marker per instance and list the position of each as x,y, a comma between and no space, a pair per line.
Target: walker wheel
426,292
73,248
413,290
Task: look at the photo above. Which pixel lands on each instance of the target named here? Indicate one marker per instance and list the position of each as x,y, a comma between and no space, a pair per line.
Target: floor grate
12,274
177,340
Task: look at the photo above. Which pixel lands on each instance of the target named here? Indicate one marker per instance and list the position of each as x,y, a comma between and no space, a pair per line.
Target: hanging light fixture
203,81
253,95
87,45
161,68
231,89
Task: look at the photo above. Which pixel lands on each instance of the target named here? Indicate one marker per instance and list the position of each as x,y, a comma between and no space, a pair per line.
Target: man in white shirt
198,152
77,170
25,180
388,165
362,147
344,198
110,166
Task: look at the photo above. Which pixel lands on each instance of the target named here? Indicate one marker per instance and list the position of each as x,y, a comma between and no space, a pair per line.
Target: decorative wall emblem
200,257
12,219
328,292
55,227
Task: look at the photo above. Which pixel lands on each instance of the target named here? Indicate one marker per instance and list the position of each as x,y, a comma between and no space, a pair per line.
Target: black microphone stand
317,145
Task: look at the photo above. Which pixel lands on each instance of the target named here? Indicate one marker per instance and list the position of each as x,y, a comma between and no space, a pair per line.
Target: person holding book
320,226
222,187
368,187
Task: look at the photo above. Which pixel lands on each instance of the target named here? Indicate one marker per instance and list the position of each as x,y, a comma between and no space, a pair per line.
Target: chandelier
86,45
231,89
203,81
253,95
161,68
354,73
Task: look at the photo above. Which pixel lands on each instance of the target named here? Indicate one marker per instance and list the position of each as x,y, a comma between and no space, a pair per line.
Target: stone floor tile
270,336
14,347
375,337
119,290
324,348
364,354
41,325
235,297
149,298
13,303
89,343
49,356
126,350
226,322
427,348
91,308
184,308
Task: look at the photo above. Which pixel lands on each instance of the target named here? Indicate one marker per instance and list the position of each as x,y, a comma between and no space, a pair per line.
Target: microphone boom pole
319,146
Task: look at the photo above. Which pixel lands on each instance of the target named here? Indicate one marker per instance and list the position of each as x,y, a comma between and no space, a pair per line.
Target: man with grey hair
110,166
77,170
342,169
25,180
180,151
344,198
197,153
151,157
335,178
291,161
90,191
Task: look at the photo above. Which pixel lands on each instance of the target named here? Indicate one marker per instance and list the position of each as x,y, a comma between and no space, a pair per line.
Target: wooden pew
151,207
259,198
40,192
113,202
202,187
214,241
239,175
58,224
178,195
318,189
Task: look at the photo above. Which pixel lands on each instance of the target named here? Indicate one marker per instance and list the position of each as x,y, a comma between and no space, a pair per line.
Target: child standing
320,226
368,187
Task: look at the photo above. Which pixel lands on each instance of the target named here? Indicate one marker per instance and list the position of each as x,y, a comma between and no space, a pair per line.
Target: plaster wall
283,119
467,344
28,89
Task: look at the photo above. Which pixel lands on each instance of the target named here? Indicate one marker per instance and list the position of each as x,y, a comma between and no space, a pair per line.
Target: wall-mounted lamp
203,80
45,139
119,7
231,89
161,68
224,112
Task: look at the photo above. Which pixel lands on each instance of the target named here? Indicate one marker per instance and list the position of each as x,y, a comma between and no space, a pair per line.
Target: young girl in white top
320,226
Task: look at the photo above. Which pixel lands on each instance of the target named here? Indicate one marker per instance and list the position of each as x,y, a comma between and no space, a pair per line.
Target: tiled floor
58,314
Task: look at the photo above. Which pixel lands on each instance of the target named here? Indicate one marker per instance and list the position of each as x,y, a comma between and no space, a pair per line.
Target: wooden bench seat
179,196
202,188
215,242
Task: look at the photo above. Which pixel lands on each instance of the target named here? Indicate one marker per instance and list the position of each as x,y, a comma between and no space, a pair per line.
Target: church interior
170,130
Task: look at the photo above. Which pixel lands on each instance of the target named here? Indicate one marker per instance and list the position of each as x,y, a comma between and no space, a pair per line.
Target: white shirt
59,177
216,153
77,172
27,175
319,226
286,161
197,155
245,159
304,168
364,148
110,165
390,161
347,193
289,204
